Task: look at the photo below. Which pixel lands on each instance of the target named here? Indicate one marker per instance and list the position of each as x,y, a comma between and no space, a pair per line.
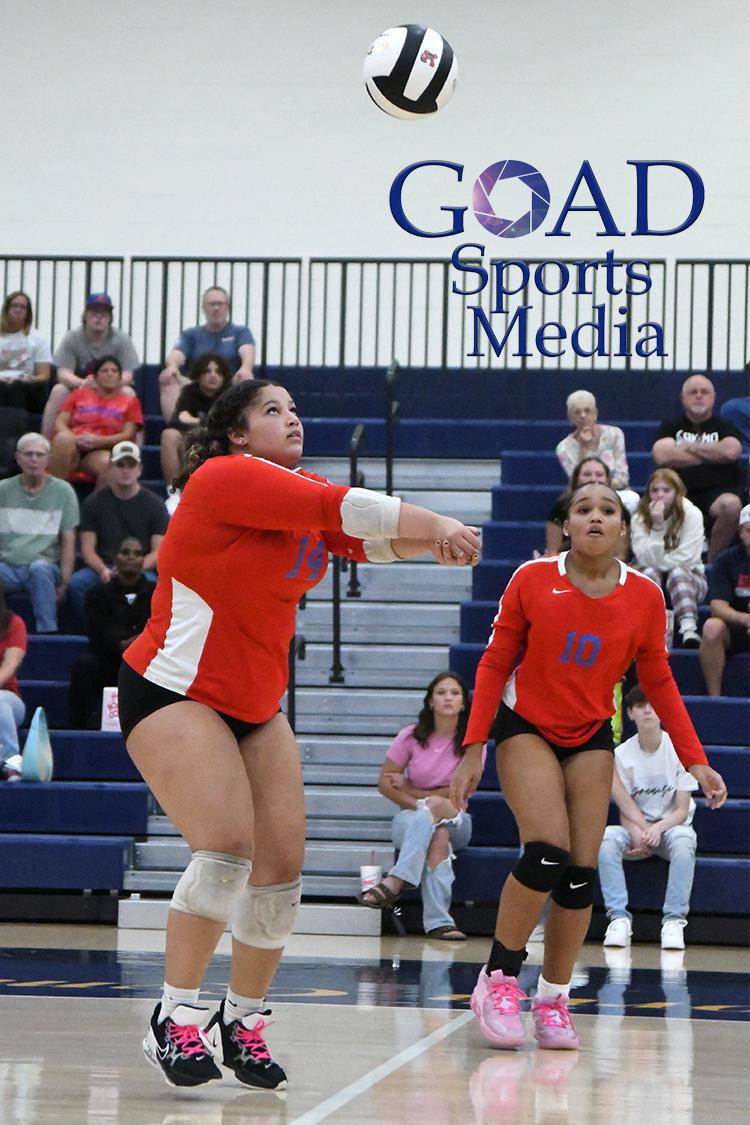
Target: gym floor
375,1030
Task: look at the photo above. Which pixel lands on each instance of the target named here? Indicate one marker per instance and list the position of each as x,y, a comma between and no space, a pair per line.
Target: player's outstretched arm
712,784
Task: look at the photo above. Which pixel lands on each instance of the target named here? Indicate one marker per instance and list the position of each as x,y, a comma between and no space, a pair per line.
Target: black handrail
356,480
297,651
391,417
337,668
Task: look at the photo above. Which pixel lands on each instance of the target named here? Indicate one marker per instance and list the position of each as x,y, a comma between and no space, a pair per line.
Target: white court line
336,1101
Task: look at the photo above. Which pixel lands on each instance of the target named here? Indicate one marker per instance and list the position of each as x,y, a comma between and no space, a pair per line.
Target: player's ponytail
212,438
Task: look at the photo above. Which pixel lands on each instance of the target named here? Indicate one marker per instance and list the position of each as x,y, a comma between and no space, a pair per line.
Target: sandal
446,933
384,897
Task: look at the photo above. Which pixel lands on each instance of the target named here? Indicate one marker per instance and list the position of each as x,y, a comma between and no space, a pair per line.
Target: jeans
677,847
40,578
412,833
12,711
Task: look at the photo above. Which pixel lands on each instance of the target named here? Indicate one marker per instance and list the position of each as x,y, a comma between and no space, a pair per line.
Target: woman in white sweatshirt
667,539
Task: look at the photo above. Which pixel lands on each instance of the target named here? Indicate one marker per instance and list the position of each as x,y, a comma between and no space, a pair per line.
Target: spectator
219,334
79,350
667,532
209,376
591,439
652,791
428,829
727,630
705,451
25,356
591,470
38,518
12,652
95,419
115,613
123,510
737,411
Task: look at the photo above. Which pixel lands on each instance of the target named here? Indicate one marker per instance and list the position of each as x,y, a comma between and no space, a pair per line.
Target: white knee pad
211,884
370,515
265,916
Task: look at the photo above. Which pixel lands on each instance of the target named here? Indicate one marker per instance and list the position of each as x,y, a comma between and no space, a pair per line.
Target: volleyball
410,71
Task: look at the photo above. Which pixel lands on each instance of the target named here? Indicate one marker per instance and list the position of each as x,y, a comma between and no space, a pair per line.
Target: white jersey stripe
175,665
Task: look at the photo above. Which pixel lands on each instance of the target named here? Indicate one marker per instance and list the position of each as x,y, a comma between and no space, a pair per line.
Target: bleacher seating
96,820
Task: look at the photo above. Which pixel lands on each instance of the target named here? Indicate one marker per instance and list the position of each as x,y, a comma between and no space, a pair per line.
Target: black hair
212,438
636,697
597,484
426,719
99,363
202,362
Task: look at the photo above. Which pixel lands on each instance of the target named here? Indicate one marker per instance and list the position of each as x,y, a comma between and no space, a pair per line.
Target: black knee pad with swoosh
576,890
542,866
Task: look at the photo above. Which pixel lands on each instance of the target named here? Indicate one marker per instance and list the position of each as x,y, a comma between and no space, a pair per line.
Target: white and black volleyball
410,71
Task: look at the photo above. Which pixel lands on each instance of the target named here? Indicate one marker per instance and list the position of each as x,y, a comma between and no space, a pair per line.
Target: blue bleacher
78,831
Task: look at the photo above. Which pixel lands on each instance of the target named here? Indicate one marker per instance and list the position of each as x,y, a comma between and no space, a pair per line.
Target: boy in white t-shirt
652,791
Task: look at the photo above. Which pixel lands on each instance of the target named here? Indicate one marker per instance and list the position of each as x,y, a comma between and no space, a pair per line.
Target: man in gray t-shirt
81,347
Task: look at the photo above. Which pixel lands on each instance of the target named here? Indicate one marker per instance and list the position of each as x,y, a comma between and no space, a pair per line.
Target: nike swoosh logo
556,591
575,886
551,862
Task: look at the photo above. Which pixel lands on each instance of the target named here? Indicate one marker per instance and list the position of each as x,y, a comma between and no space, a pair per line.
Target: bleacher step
168,856
375,666
403,582
377,622
137,913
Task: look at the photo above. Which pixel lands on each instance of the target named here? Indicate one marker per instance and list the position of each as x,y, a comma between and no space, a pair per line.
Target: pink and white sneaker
496,1002
553,1027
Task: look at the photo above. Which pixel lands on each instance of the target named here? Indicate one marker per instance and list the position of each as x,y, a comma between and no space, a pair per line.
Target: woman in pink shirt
428,829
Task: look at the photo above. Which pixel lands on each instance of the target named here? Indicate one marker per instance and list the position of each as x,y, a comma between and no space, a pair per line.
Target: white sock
171,998
236,1007
547,991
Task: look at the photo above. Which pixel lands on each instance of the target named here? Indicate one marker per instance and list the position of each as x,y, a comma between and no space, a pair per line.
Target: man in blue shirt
219,334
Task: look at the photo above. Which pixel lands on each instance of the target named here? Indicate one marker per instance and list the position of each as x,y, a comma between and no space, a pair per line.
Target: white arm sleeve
370,515
379,551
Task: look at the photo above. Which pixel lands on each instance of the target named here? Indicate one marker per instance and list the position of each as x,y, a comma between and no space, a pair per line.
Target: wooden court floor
375,1030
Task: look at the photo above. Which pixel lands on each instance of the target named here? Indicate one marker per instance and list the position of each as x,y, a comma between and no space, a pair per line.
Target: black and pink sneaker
245,1050
180,1047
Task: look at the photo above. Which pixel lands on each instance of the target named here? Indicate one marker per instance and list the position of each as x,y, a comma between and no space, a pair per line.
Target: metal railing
59,284
349,312
266,295
711,302
392,416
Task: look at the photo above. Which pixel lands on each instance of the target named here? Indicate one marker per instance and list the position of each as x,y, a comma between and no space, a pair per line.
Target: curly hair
202,363
425,725
212,438
674,481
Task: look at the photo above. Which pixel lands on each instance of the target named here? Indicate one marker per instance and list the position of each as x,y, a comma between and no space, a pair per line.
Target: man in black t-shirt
705,450
728,628
125,509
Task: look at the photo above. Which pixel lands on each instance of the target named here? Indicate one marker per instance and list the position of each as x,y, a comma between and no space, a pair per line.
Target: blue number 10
586,649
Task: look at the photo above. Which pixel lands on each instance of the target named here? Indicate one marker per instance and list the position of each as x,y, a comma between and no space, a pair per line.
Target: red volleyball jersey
247,540
576,649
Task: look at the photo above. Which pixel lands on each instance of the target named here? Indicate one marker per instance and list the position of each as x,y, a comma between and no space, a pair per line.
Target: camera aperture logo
508,277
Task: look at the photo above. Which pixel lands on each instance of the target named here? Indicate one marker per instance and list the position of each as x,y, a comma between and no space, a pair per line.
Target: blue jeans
40,578
677,847
12,711
412,833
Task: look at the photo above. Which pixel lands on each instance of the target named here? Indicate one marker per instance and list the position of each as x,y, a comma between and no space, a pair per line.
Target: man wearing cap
233,342
38,518
81,347
727,630
123,510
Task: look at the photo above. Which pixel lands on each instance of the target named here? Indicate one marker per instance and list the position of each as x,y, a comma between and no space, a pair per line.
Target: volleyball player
583,617
199,706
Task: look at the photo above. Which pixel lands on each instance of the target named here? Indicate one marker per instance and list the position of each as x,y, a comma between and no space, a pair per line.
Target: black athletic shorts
509,723
137,697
